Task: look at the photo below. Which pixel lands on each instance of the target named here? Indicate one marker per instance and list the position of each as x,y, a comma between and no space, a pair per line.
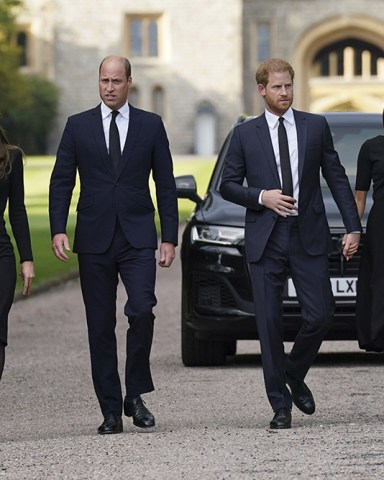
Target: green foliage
11,84
28,104
29,124
7,17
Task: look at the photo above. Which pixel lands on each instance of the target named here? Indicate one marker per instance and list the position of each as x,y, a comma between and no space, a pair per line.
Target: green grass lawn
37,173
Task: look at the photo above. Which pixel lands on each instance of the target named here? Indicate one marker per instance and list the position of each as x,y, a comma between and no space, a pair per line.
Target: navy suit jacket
251,156
106,196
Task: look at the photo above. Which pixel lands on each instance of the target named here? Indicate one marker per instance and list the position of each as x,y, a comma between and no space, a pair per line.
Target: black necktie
114,141
285,163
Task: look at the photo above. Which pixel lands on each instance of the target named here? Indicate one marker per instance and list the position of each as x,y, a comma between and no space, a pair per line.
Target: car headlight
216,234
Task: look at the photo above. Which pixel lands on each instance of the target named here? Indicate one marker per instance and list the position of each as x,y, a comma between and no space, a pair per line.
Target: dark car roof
336,118
354,118
358,127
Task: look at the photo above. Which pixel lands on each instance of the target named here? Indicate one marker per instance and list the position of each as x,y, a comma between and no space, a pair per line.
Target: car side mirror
186,188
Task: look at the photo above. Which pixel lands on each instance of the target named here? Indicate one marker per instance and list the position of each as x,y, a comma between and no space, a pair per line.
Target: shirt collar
124,111
273,119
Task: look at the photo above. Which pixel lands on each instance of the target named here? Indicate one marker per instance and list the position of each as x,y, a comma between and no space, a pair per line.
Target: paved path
211,422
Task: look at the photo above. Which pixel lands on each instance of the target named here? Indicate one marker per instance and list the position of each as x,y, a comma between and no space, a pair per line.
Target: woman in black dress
12,192
370,286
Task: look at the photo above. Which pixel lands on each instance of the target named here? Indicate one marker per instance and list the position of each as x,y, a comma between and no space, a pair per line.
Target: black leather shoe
282,419
301,395
135,408
112,424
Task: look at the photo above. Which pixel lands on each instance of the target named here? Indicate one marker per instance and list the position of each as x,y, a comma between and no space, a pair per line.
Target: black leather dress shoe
112,424
282,419
135,408
301,395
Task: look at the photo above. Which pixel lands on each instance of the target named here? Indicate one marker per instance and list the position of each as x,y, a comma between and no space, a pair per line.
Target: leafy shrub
29,122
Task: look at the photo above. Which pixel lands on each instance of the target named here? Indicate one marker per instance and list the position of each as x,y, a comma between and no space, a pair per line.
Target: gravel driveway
211,422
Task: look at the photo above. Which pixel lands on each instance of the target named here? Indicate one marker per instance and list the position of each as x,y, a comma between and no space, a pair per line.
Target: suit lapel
301,128
262,131
133,130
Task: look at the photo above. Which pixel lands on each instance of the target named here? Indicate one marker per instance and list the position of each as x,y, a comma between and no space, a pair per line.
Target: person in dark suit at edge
12,194
115,232
286,229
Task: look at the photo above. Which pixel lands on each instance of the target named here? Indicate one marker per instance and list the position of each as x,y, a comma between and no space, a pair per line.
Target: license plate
341,287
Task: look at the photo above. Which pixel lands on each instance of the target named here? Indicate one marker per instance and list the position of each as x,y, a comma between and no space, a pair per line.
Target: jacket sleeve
166,194
62,182
16,208
232,186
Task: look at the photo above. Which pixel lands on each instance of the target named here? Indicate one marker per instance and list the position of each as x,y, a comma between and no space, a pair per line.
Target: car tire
200,353
231,348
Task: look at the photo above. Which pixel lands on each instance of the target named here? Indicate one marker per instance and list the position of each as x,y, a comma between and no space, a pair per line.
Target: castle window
205,129
134,97
21,40
263,39
143,35
158,101
22,43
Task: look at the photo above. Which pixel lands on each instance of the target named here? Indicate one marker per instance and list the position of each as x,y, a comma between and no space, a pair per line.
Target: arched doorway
339,65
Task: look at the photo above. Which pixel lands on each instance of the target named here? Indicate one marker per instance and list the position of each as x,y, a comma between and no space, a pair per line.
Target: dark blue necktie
114,141
285,162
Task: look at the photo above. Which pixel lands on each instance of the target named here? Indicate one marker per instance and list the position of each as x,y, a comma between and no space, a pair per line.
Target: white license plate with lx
341,287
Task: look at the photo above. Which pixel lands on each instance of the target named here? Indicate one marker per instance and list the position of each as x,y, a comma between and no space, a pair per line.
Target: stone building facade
194,62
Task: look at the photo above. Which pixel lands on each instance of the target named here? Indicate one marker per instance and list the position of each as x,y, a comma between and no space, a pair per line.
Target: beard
278,107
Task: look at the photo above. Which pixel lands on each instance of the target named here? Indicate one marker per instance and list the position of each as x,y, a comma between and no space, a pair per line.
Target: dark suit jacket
251,156
106,195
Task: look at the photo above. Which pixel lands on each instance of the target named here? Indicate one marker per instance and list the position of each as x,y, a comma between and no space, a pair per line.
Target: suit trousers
99,276
285,255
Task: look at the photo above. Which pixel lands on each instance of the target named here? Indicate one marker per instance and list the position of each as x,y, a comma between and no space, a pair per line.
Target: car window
347,138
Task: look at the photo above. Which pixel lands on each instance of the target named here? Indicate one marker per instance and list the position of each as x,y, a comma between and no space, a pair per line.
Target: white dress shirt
290,127
122,122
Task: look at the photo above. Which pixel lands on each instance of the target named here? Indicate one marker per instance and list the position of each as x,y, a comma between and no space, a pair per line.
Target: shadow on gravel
349,358
323,359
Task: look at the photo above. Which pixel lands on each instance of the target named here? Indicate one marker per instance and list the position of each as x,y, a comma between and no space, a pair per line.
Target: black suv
217,305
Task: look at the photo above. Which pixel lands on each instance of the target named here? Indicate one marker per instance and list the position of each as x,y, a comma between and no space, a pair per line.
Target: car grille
212,292
215,293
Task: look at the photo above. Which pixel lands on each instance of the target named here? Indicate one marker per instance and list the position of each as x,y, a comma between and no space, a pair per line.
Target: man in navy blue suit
114,148
281,154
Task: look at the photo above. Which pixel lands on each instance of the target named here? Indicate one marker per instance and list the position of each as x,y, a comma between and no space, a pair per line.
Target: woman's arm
360,199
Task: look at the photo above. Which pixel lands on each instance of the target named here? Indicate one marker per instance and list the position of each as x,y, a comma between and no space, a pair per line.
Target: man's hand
283,205
27,273
350,244
167,254
59,243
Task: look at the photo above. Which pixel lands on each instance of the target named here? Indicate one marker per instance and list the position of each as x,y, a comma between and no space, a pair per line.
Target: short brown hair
123,60
272,65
